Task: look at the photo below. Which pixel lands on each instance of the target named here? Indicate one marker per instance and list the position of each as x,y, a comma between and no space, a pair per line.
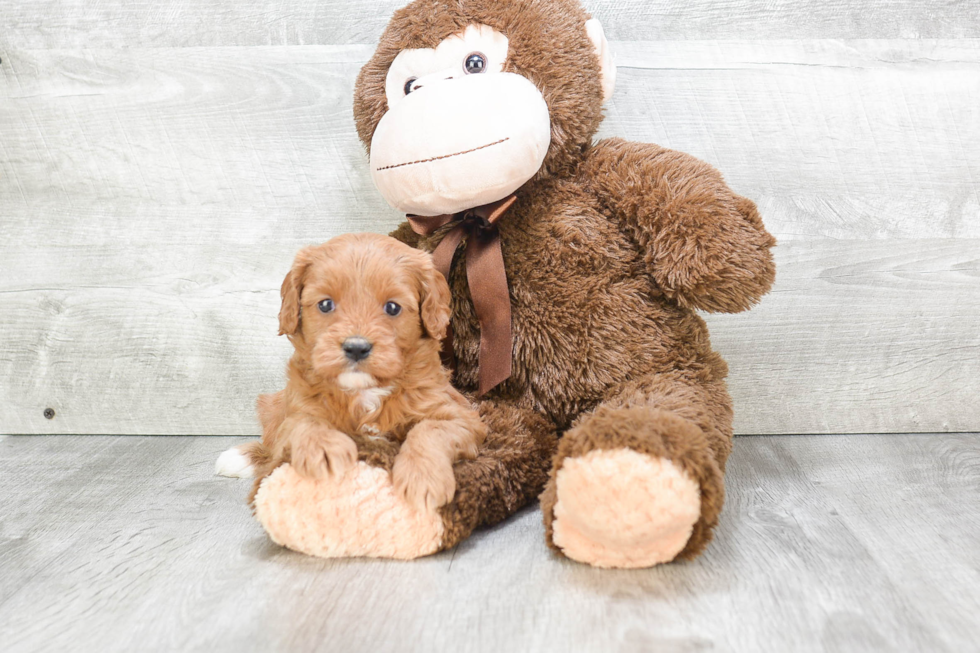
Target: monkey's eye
475,63
326,305
392,309
408,84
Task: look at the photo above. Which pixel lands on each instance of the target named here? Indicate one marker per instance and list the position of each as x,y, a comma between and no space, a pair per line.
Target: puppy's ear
435,301
292,288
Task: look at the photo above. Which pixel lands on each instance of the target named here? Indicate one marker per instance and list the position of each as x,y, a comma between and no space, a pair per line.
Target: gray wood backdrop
160,163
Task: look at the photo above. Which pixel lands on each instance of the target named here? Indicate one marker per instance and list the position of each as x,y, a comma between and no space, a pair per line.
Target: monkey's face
459,132
465,102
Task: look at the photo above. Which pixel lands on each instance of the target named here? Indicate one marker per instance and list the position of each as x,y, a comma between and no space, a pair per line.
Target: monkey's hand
705,246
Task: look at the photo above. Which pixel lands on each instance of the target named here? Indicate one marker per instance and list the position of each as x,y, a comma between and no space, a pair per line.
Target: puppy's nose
356,349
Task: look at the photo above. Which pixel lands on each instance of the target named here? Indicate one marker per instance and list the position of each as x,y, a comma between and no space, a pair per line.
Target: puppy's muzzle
356,349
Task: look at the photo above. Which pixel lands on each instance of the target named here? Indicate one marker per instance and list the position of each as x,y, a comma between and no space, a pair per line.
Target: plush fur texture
298,512
458,139
548,44
608,251
341,519
621,508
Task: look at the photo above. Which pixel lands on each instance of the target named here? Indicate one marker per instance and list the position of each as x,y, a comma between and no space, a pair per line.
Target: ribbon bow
487,280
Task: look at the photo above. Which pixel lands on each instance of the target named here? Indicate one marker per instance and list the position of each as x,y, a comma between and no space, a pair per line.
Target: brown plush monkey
613,404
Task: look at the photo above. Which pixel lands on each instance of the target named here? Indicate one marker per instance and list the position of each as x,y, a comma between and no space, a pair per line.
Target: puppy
365,314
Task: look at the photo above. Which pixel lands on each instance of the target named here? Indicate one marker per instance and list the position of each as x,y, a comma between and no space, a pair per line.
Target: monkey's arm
704,245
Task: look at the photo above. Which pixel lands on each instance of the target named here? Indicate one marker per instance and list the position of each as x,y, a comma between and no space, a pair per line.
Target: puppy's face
359,305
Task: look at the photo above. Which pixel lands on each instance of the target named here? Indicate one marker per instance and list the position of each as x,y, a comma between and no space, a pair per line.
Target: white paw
235,464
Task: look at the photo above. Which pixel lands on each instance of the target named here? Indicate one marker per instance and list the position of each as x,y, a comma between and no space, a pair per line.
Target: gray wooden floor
829,543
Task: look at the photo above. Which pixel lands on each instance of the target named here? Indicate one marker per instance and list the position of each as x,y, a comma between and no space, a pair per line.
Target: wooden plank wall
160,163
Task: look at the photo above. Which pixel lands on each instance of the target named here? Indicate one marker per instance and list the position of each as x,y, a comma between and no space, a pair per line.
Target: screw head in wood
49,413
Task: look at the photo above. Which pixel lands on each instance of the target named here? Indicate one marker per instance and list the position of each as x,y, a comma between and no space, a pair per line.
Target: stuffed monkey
589,364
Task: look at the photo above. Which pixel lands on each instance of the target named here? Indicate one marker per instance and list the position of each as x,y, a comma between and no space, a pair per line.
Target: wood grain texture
856,139
54,24
827,543
840,140
152,198
258,127
882,335
877,336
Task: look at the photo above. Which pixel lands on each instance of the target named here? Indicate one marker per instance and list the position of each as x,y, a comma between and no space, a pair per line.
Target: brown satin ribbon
487,280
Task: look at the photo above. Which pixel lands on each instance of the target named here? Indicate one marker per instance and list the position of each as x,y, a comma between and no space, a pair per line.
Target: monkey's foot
358,515
622,508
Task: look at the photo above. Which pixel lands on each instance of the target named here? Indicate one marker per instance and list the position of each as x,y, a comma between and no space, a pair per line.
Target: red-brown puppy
365,314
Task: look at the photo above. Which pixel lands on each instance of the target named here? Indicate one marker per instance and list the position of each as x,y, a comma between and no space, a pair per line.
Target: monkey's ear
606,65
292,288
435,298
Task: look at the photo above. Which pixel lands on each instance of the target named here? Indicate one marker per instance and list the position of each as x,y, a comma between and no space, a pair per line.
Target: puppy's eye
408,84
326,305
392,309
475,63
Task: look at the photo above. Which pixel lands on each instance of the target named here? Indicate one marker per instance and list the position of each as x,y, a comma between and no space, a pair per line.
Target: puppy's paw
329,454
235,464
467,449
425,482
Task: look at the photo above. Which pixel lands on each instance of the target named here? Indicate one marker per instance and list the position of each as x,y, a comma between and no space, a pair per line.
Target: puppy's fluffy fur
400,390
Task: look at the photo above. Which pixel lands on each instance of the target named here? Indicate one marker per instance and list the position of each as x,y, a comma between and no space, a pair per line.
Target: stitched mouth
444,156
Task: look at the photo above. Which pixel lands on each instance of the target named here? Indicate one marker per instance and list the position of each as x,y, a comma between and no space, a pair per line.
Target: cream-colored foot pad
360,515
622,508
